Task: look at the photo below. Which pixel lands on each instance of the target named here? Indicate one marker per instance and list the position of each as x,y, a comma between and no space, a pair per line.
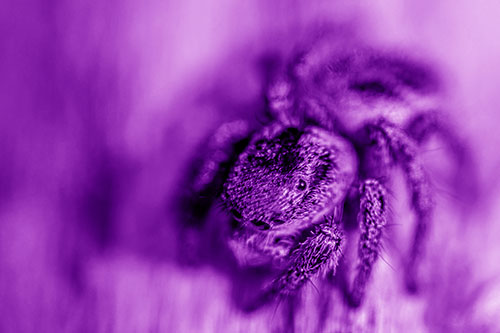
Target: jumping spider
339,121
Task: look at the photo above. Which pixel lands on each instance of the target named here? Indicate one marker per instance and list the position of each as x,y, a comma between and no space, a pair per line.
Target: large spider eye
302,185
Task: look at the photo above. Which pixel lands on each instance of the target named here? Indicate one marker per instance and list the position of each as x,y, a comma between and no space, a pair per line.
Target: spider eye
301,186
261,224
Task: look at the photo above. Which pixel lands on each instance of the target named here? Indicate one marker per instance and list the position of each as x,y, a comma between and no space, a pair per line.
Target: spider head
284,182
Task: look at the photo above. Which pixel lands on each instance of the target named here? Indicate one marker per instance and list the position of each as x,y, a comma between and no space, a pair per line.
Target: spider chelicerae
340,119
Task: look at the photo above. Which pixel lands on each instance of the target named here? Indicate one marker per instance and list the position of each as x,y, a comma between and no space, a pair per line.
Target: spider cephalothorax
339,122
283,182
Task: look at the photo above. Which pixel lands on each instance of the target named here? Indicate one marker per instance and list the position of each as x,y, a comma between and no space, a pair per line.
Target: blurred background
102,105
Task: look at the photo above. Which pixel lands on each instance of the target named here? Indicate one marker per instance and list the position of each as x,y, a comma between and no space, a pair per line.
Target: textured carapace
286,180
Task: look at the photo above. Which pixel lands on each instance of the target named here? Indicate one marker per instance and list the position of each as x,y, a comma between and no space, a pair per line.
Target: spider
340,120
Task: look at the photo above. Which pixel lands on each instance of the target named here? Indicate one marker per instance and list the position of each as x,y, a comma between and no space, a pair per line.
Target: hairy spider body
284,182
339,122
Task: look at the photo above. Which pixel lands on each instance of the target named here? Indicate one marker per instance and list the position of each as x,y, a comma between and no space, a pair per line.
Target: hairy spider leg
280,99
205,184
422,126
372,218
317,255
212,168
404,151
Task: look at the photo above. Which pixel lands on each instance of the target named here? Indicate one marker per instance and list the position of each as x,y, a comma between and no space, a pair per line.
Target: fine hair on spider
318,165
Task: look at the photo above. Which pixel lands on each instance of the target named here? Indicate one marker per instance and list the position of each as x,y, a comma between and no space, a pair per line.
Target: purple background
102,104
